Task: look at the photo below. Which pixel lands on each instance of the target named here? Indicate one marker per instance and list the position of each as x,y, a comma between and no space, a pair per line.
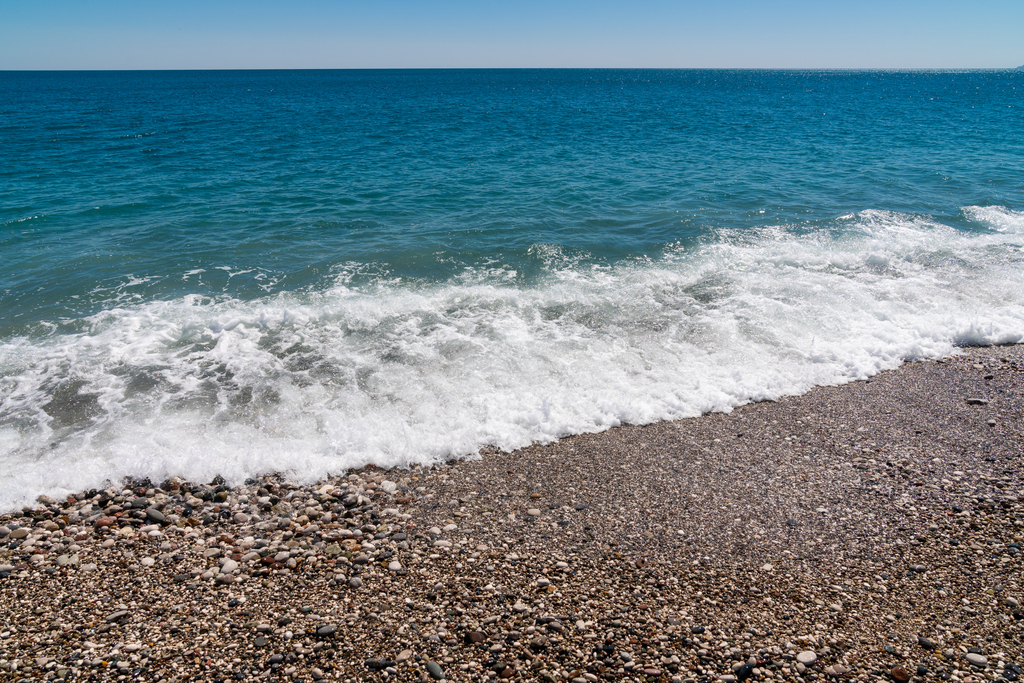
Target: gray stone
327,631
807,657
155,515
435,670
976,659
116,615
925,643
355,582
261,641
977,402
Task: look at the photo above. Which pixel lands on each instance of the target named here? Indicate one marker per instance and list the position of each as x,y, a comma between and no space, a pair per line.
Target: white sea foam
312,383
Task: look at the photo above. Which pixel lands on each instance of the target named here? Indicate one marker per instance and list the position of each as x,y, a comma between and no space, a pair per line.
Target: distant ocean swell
396,372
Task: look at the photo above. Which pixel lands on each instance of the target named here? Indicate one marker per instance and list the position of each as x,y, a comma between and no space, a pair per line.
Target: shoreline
860,531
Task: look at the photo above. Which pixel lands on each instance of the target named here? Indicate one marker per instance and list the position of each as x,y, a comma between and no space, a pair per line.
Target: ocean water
236,273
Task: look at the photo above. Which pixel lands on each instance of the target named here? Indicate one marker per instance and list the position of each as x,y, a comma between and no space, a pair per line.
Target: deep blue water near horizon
236,272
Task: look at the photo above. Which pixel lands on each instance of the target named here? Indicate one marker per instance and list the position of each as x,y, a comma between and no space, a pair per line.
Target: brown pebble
900,674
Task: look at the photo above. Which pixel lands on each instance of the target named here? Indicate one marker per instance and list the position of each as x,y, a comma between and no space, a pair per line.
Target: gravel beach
871,531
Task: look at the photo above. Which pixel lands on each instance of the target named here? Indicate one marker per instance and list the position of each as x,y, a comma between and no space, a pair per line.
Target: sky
258,34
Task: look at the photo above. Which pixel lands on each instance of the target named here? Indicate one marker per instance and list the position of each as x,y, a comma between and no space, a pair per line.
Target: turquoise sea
236,272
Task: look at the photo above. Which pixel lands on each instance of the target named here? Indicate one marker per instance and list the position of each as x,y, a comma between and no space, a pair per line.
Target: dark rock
475,637
327,631
697,629
925,643
539,643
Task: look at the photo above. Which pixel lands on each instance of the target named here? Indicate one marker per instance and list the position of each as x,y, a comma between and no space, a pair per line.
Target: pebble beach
868,532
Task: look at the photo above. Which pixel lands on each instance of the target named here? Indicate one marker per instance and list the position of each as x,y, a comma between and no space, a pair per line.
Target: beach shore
870,531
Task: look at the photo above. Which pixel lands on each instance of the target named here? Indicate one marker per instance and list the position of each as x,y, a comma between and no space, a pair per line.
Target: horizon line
531,68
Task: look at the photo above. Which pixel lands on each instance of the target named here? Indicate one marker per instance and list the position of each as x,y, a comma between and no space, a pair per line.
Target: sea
235,273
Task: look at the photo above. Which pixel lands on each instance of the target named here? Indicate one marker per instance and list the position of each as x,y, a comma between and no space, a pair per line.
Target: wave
394,373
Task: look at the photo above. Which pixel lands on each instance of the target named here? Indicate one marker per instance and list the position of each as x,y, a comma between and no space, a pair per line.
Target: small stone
836,670
918,568
228,567
116,616
316,673
100,523
835,607
977,402
792,522
240,518
355,582
697,629
727,678
435,670
976,659
519,608
394,566
925,643
539,643
327,631
261,641
807,657
475,636
533,512
899,674
155,515
403,656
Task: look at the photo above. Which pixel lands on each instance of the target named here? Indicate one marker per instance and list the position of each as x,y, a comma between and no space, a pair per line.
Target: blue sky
186,34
